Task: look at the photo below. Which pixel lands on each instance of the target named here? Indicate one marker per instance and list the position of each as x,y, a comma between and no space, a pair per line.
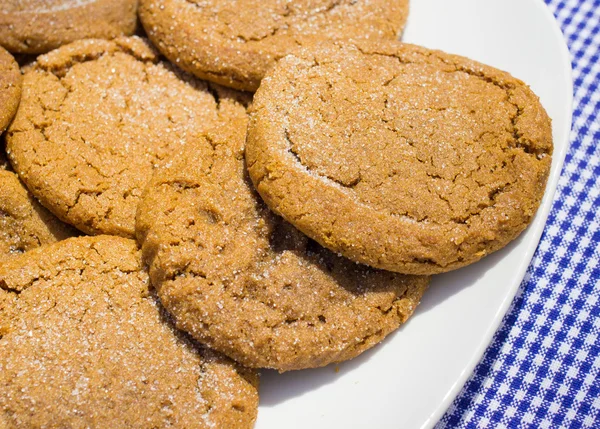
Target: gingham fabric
542,369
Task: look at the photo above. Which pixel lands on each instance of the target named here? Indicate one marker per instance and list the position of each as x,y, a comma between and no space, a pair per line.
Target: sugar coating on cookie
10,88
84,343
249,284
397,156
38,26
235,42
95,120
24,223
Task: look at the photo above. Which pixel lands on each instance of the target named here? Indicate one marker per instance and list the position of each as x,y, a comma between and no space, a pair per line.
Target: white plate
411,379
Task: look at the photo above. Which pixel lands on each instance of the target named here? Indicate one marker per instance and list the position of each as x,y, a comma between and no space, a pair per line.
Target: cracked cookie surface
84,343
397,156
235,42
24,223
10,88
249,284
38,26
96,118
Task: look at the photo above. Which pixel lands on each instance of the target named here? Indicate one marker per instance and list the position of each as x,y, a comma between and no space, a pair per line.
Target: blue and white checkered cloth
542,369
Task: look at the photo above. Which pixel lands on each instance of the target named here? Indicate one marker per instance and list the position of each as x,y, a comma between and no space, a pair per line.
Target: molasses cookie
96,118
84,343
399,157
233,43
10,88
249,284
24,223
35,27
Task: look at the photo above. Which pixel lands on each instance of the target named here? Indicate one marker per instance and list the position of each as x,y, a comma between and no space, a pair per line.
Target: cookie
96,118
247,283
35,27
24,223
234,43
84,343
399,157
10,88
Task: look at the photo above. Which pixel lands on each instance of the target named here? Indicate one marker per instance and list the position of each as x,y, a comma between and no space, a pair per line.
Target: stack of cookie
165,232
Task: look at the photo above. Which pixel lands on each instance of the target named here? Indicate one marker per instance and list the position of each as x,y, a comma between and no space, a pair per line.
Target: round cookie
234,43
397,156
10,88
38,26
24,223
96,118
84,343
247,283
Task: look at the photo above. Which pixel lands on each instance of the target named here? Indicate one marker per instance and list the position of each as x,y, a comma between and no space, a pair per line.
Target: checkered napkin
542,369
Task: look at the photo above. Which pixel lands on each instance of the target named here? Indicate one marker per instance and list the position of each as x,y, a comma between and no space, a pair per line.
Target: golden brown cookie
24,223
10,88
397,156
233,43
96,118
249,284
84,343
38,26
